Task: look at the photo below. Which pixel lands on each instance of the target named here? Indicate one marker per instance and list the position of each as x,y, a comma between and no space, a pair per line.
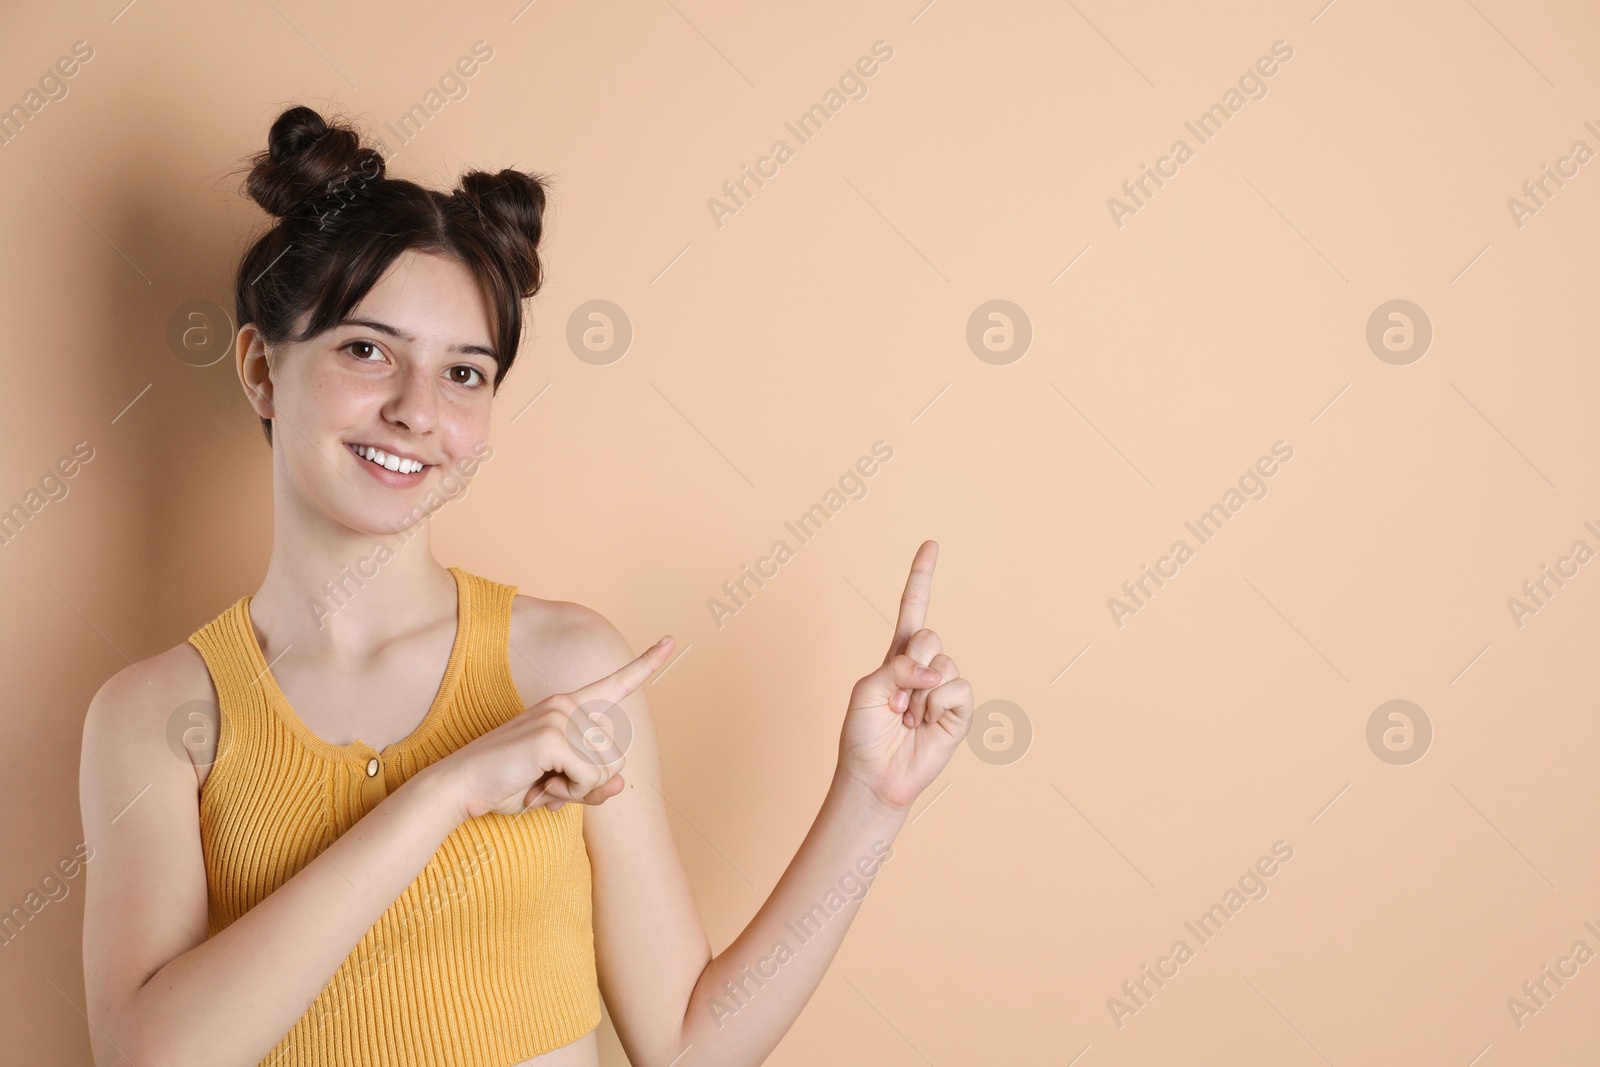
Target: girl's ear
253,363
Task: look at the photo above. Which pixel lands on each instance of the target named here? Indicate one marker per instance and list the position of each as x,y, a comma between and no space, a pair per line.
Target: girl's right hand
548,754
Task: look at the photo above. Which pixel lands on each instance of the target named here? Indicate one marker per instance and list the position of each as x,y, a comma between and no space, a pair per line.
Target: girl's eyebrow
384,327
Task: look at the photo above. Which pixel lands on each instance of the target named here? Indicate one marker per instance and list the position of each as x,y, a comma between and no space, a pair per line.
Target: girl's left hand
906,718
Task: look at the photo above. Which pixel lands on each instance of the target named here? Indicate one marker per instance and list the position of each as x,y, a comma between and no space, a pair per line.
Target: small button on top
372,767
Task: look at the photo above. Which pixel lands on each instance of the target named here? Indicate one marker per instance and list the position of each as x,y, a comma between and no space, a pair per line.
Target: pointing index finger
914,601
628,677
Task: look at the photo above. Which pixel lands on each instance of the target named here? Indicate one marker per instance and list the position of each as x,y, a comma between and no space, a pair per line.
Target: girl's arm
158,991
671,1001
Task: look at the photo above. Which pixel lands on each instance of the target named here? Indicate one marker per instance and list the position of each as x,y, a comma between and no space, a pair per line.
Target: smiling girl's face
371,415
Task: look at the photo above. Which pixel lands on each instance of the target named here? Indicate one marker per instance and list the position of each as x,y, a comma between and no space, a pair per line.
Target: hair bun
510,205
307,158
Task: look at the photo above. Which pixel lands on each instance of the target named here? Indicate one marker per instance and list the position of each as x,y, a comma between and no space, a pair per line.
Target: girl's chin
384,522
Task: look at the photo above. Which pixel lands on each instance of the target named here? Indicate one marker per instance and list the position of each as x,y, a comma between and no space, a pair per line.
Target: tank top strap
487,695
243,703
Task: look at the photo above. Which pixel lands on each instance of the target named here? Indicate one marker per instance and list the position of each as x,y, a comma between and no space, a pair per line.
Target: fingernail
928,674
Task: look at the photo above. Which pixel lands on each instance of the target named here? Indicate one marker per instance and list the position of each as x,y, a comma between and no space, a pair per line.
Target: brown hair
342,222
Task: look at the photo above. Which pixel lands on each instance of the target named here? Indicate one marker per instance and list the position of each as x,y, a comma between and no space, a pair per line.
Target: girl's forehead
426,283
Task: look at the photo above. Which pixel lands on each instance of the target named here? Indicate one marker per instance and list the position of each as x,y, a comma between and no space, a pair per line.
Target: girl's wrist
435,786
857,799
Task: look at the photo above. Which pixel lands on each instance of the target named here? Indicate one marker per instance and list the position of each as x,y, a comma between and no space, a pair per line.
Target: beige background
1230,312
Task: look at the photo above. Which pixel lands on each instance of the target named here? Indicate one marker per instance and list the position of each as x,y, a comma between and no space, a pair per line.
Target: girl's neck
330,586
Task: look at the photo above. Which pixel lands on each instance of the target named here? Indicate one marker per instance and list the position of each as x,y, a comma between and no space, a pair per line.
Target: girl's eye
470,371
353,345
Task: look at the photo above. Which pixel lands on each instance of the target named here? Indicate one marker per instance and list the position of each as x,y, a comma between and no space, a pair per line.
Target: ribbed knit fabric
487,958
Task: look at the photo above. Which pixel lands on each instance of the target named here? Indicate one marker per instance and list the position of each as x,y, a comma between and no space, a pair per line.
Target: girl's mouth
392,470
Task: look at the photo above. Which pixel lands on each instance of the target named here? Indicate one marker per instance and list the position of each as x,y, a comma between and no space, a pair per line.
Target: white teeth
383,459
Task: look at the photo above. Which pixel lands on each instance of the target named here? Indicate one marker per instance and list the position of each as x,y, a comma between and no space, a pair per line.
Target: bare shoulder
130,714
559,645
180,670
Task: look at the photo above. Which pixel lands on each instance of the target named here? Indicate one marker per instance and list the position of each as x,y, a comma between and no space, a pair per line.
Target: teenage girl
374,814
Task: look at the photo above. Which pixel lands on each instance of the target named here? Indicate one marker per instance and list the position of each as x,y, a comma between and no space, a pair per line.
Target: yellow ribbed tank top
487,958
